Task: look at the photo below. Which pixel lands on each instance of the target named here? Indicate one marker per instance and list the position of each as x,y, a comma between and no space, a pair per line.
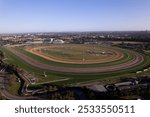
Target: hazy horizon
26,16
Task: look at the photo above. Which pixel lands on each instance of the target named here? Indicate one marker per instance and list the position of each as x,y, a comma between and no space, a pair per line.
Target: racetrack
137,60
76,54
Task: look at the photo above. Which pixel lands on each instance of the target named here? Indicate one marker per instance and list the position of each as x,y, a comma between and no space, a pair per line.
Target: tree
1,55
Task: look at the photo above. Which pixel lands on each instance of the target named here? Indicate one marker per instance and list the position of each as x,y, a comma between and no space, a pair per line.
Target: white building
48,40
58,41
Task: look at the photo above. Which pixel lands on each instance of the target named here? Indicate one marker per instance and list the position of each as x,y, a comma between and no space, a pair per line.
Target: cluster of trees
136,47
139,91
1,55
68,95
1,97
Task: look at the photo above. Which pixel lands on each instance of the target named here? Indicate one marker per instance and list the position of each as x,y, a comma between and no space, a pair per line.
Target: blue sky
73,15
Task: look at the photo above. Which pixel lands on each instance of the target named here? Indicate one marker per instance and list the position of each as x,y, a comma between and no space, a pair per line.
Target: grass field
126,42
73,78
76,53
13,86
128,55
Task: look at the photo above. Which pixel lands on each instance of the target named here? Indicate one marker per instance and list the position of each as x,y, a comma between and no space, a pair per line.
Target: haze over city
17,16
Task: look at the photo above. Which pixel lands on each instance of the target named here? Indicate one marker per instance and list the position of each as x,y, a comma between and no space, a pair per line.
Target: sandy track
117,56
136,61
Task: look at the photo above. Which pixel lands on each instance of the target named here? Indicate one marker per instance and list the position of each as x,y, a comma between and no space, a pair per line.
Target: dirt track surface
116,56
134,62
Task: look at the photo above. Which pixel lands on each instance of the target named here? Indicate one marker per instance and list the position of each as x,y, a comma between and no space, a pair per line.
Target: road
9,96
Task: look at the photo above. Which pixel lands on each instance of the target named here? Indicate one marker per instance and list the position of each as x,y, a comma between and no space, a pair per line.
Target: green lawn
128,55
73,78
13,86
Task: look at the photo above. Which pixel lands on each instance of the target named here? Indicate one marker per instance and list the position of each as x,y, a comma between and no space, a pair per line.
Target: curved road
136,61
9,96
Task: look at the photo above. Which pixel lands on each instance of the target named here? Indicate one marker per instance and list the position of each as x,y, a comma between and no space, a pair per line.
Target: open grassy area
144,73
72,78
78,52
1,97
128,55
126,42
147,52
13,86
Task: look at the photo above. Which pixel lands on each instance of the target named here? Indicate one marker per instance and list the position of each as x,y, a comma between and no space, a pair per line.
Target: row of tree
1,55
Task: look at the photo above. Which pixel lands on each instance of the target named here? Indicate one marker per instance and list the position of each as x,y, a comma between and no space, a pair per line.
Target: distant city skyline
21,16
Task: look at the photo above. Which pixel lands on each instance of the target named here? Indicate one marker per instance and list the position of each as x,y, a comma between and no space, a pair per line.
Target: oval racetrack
138,59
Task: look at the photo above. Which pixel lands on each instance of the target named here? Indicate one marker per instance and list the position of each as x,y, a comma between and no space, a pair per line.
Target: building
58,41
